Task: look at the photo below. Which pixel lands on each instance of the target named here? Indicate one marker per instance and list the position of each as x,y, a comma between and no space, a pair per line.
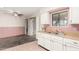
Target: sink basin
61,34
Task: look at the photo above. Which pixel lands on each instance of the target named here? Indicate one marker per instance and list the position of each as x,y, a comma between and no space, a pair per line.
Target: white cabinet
57,46
74,15
71,45
41,42
57,43
44,40
47,44
45,18
70,48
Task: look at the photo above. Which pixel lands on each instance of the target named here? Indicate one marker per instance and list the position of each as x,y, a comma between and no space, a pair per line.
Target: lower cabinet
41,42
56,44
70,48
47,44
44,43
50,44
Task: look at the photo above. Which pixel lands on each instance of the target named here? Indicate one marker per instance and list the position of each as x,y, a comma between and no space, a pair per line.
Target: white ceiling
27,11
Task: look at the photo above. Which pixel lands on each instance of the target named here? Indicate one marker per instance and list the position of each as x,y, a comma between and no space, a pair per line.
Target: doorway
32,26
26,27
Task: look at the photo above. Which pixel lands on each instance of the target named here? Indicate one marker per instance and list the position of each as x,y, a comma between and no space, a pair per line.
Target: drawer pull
75,43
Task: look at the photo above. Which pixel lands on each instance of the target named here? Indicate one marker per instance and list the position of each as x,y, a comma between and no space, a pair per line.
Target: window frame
59,13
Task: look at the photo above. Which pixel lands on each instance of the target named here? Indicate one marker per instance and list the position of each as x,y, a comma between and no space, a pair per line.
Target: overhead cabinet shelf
74,15
45,18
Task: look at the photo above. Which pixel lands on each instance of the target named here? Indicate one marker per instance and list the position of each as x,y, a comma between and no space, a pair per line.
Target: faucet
63,32
56,32
60,32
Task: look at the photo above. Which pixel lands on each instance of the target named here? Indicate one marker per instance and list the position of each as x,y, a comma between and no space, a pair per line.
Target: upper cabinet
45,18
74,15
61,16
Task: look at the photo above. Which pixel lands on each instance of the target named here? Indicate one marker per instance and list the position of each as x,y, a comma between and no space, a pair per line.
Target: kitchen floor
15,41
20,43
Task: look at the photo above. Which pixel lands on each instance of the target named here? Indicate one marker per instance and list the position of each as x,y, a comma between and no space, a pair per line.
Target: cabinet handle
75,42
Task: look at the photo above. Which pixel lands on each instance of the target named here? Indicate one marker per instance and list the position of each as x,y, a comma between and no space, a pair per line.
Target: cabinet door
71,48
44,42
56,46
56,43
51,43
45,18
70,45
74,15
41,42
47,44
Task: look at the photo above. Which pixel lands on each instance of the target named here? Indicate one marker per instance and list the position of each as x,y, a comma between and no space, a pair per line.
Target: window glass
55,19
60,19
63,18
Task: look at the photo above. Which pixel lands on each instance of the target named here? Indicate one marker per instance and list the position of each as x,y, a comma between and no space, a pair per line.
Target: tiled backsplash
69,28
72,30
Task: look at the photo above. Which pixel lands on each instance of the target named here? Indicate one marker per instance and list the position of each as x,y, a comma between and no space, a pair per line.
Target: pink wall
11,31
76,26
11,25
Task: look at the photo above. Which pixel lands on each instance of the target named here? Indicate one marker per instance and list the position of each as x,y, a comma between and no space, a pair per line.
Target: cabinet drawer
71,42
57,39
70,48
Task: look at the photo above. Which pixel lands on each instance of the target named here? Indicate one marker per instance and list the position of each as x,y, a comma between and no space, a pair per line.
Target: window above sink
60,18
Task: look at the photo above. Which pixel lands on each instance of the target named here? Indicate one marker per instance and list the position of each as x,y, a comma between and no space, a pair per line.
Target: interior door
30,27
26,28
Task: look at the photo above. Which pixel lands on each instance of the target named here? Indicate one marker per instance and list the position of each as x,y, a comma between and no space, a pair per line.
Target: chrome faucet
60,32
